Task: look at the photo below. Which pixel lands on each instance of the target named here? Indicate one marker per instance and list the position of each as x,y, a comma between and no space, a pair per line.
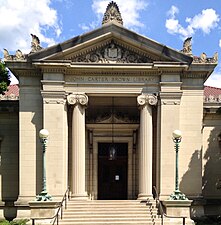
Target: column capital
77,98
144,99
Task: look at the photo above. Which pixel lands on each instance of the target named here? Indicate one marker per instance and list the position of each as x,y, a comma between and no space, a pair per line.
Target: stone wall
211,155
9,148
191,145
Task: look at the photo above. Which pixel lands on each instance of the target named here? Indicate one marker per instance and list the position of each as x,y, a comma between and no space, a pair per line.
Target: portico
129,130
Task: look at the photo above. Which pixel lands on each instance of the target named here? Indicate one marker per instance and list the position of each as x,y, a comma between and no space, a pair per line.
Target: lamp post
43,196
177,195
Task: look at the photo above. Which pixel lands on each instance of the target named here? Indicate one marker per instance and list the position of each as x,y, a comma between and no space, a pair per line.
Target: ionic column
145,145
79,101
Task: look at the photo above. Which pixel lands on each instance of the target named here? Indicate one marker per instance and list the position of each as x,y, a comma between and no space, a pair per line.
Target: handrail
160,208
60,208
63,202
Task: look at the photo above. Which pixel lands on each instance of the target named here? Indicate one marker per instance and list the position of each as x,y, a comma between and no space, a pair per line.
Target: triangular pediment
111,51
111,43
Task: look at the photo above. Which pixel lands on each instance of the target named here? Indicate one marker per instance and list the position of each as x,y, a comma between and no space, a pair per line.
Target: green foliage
15,222
4,78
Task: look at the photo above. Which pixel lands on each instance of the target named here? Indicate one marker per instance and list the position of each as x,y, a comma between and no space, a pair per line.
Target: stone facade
108,86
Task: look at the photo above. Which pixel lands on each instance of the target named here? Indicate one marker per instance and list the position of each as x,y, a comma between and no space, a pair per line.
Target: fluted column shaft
79,101
145,145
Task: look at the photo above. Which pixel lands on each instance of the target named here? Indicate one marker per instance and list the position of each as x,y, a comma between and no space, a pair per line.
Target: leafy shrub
4,78
15,222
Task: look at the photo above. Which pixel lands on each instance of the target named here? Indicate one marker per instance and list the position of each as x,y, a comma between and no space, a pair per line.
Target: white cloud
129,10
215,78
220,43
205,21
172,12
20,18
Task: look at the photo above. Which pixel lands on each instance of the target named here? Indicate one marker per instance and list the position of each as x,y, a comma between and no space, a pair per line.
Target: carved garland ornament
81,99
144,99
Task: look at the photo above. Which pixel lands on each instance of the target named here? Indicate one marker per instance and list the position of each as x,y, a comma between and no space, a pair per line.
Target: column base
80,197
145,197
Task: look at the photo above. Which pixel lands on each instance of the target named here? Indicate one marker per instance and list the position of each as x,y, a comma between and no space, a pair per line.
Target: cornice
52,66
194,74
53,70
30,73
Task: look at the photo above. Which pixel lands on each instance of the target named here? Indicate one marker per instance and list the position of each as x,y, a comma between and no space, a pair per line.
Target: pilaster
168,121
55,121
30,122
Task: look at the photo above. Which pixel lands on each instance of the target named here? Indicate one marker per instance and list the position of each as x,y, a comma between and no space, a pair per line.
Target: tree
4,78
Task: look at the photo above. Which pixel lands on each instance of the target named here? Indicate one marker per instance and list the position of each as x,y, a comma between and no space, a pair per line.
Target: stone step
110,212
112,218
108,208
112,215
105,212
108,202
72,203
109,223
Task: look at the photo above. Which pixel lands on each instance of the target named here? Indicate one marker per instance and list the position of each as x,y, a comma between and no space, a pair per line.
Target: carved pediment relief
111,52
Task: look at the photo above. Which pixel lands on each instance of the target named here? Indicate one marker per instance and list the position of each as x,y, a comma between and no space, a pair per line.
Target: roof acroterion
112,14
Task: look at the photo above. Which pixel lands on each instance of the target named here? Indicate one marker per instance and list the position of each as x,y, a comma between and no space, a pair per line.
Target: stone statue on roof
112,14
35,44
187,46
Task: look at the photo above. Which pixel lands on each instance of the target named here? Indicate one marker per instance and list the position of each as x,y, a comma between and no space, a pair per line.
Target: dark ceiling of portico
122,109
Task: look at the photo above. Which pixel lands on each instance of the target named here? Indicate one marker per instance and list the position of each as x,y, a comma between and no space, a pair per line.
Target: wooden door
112,174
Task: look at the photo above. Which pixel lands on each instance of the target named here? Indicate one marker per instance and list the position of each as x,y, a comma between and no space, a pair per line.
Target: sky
168,22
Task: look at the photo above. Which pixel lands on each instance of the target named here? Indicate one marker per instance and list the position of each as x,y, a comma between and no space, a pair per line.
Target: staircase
109,212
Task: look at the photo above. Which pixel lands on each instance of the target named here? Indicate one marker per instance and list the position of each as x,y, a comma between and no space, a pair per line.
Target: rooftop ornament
112,14
35,44
187,49
19,56
187,46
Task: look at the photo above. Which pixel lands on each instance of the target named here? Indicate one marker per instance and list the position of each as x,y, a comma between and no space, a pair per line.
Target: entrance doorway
112,172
